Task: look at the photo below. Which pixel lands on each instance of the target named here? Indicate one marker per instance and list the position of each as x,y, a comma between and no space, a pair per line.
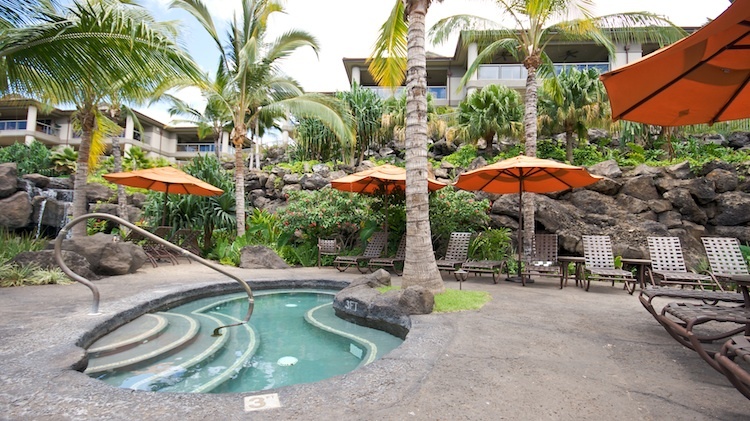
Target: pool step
140,330
196,365
182,329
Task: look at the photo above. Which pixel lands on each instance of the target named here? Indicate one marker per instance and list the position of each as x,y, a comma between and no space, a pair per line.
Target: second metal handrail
95,307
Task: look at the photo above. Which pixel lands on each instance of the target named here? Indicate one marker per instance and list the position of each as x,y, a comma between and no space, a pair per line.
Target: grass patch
458,300
454,300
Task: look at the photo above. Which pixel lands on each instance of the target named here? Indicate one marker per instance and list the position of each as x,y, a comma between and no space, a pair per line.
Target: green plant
263,228
455,210
492,244
13,275
745,249
463,156
64,160
29,159
13,244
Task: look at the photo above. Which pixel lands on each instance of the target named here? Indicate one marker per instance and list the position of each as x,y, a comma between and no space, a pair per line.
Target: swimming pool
293,337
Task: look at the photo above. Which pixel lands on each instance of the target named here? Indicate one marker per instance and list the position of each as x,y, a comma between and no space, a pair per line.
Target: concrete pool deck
532,353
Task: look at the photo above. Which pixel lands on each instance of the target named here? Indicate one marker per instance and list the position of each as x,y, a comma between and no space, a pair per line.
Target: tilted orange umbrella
525,174
164,179
384,178
703,78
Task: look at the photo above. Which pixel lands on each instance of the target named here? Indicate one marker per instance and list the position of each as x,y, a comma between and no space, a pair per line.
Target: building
23,120
445,73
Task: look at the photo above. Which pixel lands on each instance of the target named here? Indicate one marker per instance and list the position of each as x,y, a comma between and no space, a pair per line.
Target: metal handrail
95,307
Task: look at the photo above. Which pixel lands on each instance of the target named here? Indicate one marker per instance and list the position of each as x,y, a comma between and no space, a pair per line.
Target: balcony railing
196,147
518,72
437,92
23,125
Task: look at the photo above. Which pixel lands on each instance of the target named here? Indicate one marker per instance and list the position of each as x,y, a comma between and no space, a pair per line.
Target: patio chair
155,251
543,259
327,248
188,240
600,263
457,252
373,249
396,261
478,267
725,259
668,266
734,352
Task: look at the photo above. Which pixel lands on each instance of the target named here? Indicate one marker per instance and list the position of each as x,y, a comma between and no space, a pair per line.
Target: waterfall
67,217
39,218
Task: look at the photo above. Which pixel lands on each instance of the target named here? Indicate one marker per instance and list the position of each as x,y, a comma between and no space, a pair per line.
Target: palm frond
388,59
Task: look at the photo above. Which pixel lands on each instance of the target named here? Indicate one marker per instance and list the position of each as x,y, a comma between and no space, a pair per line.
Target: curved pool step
182,329
138,331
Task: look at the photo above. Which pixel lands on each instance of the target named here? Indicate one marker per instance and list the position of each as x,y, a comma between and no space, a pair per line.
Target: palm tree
539,22
493,110
387,65
573,102
258,92
83,55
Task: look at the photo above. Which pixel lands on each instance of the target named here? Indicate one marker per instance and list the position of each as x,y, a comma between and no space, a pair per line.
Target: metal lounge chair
734,354
457,252
188,240
668,266
327,248
478,267
396,261
600,263
373,249
543,260
725,259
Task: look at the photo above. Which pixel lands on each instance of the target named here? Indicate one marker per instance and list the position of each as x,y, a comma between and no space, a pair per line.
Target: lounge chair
668,266
373,249
155,251
600,263
725,259
478,267
543,260
188,240
735,351
457,252
396,261
327,248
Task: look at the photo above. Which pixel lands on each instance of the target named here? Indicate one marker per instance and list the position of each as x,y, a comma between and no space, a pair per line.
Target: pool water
293,337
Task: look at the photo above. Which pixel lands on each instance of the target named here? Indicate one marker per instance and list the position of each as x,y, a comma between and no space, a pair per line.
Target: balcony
515,72
437,92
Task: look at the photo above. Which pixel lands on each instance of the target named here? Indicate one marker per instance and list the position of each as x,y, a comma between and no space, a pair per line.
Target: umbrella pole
164,209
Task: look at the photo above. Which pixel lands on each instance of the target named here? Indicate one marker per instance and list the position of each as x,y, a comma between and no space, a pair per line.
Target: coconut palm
571,103
84,54
394,52
539,22
258,92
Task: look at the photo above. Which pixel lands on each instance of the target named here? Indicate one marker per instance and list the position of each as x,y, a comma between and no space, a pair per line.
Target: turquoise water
293,337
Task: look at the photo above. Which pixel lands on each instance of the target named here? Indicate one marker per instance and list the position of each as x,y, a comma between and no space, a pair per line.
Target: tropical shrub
29,159
328,213
64,160
455,210
491,244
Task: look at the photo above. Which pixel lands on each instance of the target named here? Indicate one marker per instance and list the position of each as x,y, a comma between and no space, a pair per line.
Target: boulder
41,181
609,169
8,179
106,254
313,181
417,299
641,187
723,180
680,171
322,169
96,192
732,209
45,259
738,140
16,211
606,186
261,257
683,201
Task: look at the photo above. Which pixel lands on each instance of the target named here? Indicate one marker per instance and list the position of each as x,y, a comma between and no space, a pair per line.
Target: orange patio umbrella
384,178
525,174
703,78
164,179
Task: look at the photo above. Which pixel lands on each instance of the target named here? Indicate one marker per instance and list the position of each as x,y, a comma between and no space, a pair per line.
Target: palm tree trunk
419,267
82,171
569,146
122,200
239,178
530,133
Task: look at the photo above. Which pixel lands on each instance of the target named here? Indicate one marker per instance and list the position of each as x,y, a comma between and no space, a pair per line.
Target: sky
349,28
